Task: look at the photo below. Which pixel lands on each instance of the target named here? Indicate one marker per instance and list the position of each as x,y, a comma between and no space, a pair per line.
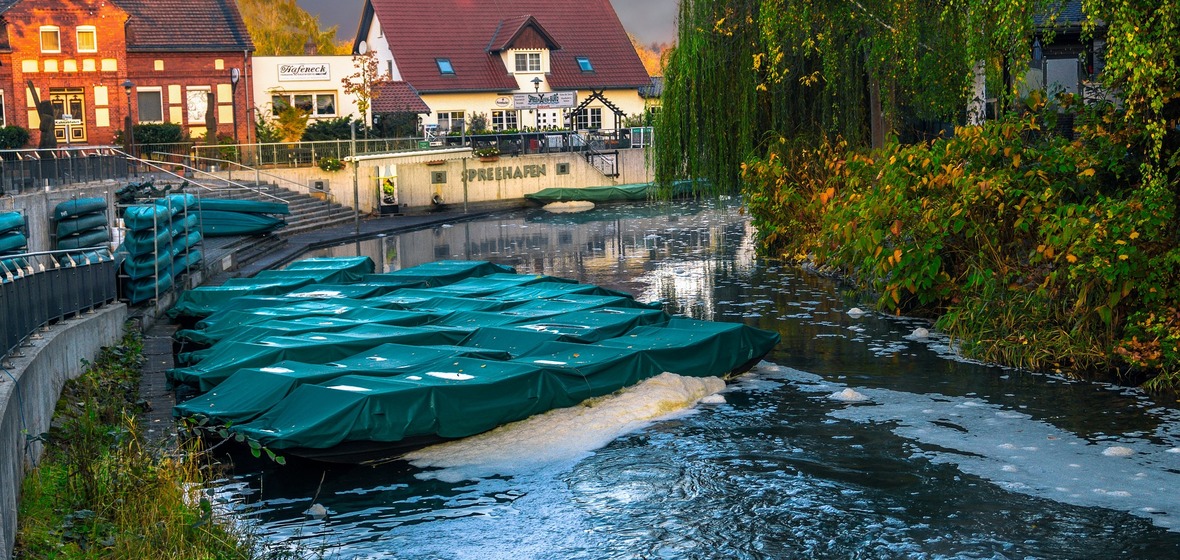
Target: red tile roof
464,31
398,97
185,25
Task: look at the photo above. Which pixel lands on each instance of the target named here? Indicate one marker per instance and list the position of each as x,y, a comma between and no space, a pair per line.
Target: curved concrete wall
29,391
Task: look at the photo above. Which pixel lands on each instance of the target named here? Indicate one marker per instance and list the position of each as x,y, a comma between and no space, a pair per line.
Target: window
504,120
444,66
316,104
528,62
590,118
150,104
584,64
87,39
50,39
450,121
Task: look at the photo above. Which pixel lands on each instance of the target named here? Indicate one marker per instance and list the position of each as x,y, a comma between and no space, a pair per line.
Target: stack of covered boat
329,364
161,243
81,223
13,241
223,217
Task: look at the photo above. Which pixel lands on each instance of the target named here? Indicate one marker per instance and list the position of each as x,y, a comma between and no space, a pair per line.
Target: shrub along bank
1032,249
101,491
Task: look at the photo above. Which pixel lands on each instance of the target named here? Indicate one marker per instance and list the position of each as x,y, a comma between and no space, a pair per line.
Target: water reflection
945,458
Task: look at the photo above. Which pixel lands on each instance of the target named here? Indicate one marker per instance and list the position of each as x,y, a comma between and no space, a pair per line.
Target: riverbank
1030,249
103,489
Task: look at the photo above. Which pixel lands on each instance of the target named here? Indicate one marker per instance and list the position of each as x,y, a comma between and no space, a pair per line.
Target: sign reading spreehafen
547,100
304,72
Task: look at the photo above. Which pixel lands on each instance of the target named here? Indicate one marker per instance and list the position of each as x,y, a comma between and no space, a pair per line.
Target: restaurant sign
304,72
547,100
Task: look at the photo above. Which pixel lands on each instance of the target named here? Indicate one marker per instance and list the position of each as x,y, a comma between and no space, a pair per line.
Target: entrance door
69,111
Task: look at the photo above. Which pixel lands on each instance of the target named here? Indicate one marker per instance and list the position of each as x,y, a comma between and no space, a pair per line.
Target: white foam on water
848,395
1022,454
563,436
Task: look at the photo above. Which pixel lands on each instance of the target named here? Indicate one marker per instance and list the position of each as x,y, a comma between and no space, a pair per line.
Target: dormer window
528,62
444,66
50,39
87,39
584,64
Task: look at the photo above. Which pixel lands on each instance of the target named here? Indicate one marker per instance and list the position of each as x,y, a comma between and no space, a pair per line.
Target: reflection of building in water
676,253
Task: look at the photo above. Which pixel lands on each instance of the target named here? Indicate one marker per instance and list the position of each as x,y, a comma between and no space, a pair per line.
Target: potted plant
488,153
330,164
388,204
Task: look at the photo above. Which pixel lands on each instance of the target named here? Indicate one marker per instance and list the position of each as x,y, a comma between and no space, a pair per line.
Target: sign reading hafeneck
304,72
547,100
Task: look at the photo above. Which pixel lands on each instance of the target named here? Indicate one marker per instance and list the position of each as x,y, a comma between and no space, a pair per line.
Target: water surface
856,438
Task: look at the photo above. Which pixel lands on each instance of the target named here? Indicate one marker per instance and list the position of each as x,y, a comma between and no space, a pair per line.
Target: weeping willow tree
748,72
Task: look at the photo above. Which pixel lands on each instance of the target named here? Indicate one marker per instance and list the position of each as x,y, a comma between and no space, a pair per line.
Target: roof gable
521,32
471,34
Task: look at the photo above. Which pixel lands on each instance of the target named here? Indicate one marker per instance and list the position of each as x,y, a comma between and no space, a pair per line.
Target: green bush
158,133
1033,249
332,129
13,137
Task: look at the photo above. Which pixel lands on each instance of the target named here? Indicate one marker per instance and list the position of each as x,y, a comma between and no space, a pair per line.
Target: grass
102,491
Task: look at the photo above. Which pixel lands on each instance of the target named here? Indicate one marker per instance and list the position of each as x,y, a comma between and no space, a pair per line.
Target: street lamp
536,114
129,128
234,76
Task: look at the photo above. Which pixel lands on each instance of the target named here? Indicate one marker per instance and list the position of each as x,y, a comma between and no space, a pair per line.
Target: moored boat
367,378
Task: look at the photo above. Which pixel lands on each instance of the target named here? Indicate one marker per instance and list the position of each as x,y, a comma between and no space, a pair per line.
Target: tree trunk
977,106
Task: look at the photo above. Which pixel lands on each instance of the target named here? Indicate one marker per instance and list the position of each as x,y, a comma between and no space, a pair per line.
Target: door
69,113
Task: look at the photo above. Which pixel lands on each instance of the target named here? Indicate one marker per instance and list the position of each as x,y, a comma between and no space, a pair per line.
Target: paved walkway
158,340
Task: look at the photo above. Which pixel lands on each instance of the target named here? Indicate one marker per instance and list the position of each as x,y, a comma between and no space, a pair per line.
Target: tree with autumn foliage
282,28
652,56
365,83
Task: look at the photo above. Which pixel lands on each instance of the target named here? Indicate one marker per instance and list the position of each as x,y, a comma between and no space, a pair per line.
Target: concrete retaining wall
419,176
29,391
38,204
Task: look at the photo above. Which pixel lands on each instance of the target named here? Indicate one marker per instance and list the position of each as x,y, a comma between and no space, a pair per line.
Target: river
860,436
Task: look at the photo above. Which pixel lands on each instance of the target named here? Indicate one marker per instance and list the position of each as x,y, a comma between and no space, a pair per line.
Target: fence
37,289
22,170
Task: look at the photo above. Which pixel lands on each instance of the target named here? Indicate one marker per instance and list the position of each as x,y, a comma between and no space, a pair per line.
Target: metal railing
194,171
37,289
23,170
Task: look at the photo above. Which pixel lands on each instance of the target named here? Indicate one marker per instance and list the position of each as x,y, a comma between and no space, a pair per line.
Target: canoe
246,206
184,241
139,291
78,224
185,261
148,265
13,242
298,377
12,221
220,223
79,206
147,241
179,201
154,216
91,238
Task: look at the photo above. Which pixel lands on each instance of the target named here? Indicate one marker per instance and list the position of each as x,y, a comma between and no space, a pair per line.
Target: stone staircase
308,213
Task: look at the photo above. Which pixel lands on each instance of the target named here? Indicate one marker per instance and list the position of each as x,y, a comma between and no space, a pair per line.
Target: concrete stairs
308,213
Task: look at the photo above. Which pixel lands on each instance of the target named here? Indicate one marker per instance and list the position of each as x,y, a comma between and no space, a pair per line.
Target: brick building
180,61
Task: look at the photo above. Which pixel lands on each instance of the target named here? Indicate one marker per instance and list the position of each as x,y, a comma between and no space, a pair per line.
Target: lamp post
536,112
129,127
234,76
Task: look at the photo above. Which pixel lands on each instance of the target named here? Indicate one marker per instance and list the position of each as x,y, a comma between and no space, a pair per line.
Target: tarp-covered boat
79,207
12,221
608,193
372,375
221,223
247,206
